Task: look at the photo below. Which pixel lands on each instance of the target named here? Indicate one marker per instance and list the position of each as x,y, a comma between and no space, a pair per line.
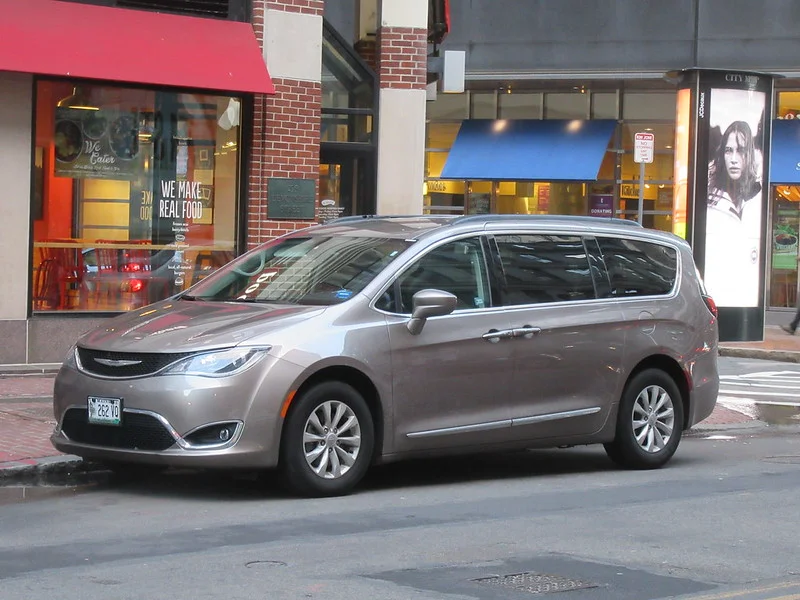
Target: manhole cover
536,583
784,460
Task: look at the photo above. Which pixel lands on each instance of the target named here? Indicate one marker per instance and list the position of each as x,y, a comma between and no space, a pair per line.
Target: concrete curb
50,470
703,428
776,355
32,370
24,399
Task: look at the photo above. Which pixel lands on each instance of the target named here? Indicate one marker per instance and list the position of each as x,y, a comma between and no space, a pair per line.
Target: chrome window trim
490,231
638,235
506,423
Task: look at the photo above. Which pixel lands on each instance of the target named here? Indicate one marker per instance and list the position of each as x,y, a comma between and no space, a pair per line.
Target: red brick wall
308,7
286,133
368,50
402,57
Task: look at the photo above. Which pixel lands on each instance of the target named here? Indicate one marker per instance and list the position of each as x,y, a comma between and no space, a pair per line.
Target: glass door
345,183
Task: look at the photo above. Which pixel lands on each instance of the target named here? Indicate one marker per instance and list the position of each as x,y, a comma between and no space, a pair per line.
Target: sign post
643,146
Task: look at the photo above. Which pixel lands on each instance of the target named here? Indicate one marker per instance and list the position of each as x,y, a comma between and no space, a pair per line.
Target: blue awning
533,150
785,154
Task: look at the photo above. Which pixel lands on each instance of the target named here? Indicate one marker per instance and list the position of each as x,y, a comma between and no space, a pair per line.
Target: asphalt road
723,515
765,390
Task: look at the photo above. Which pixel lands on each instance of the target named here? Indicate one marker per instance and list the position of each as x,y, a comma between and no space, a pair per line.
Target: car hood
188,326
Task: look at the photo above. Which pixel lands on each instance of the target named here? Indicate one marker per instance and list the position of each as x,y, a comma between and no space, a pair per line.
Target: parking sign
643,145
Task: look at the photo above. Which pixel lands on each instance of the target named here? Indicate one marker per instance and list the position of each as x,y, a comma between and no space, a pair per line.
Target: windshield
301,270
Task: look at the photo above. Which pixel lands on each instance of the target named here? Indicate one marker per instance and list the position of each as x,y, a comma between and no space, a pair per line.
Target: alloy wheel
331,439
653,419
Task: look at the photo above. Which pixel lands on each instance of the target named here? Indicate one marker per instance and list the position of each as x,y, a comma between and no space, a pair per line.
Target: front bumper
160,414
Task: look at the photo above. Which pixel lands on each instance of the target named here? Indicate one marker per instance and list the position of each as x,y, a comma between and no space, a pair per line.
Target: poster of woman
735,196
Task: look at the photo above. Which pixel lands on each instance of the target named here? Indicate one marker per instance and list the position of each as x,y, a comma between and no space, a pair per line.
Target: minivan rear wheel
649,422
327,441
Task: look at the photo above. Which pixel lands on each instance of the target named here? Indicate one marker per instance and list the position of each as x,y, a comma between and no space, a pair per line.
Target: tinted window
457,267
544,268
637,268
302,270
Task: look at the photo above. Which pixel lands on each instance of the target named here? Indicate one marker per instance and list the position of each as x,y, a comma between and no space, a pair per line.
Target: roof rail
541,218
454,219
365,217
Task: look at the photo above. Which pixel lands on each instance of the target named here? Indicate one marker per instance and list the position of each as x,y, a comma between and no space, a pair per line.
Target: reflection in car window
544,268
457,267
314,270
638,268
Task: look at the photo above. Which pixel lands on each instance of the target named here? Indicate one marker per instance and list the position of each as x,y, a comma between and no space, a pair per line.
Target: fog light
213,435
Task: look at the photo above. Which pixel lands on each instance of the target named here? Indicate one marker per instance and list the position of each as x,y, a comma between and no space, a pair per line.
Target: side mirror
427,304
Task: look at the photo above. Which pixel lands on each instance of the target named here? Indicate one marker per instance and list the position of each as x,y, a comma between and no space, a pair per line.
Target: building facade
139,160
602,76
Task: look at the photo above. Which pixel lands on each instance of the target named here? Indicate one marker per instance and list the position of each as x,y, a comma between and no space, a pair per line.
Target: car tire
318,457
649,422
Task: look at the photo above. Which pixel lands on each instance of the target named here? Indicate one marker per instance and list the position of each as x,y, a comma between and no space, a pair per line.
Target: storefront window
448,107
604,105
137,197
520,105
483,105
615,192
648,105
785,232
658,176
566,106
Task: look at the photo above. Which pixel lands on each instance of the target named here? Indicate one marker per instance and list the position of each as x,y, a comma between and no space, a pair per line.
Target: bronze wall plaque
292,199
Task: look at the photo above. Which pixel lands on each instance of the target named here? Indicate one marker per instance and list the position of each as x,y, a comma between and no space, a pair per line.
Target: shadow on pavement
248,486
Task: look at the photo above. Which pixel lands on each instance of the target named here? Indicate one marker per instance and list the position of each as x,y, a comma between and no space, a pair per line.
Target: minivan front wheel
649,422
327,441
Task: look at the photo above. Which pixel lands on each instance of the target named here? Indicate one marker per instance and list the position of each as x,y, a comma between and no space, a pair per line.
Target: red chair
70,272
46,285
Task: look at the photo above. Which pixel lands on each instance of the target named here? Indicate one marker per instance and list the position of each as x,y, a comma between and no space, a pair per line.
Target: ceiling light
78,100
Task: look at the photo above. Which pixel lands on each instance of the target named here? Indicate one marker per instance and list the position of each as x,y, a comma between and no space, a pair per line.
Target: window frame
488,263
673,291
240,215
503,292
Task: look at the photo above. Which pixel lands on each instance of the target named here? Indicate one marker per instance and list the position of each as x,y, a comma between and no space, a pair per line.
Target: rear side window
544,268
638,268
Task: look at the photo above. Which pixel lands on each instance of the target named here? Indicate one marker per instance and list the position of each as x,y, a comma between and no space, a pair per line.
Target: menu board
95,144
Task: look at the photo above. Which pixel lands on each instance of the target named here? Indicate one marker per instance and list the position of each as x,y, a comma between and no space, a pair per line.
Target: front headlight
71,359
220,363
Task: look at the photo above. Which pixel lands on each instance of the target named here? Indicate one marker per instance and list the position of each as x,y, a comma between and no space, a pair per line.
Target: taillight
132,285
712,306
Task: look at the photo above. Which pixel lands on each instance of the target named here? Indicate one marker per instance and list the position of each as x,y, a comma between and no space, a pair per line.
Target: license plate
105,411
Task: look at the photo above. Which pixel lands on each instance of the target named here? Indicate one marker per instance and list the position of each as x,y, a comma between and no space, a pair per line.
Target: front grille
145,363
136,432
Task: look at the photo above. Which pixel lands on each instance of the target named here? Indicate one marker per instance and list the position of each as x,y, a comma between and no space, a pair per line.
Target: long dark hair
719,181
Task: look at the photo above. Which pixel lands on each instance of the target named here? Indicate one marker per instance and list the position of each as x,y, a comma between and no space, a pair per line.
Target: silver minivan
374,339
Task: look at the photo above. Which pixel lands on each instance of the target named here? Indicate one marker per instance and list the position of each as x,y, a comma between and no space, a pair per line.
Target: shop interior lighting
77,100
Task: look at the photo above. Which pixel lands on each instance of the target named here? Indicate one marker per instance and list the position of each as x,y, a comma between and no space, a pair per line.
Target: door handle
526,331
494,335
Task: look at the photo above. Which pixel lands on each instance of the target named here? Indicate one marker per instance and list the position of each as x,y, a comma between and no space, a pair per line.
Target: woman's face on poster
734,155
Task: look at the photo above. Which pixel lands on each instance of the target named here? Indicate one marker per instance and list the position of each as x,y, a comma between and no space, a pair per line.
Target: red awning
49,37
